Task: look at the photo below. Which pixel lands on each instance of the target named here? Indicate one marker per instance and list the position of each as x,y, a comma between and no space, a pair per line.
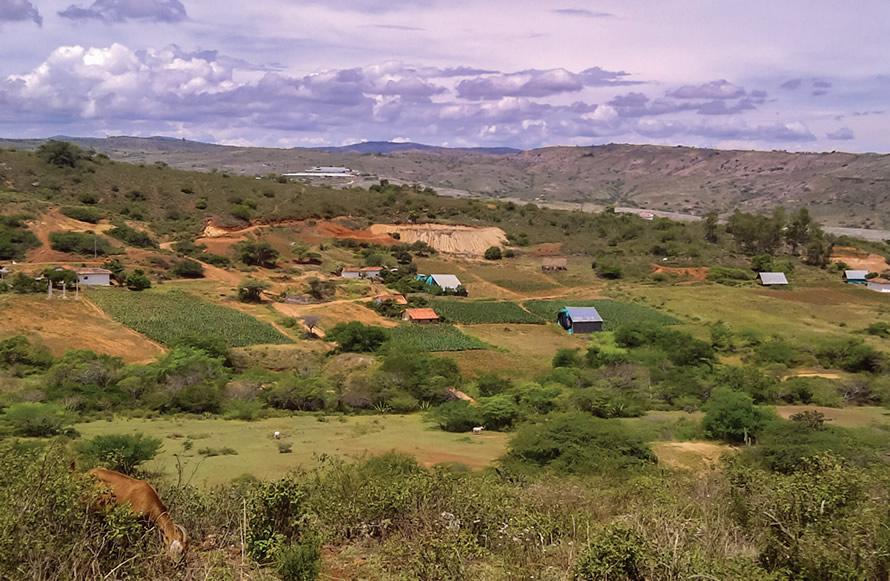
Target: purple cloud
537,83
581,13
842,134
19,11
124,10
719,89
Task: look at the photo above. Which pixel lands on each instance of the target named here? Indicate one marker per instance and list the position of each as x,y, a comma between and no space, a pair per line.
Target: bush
83,243
188,269
61,153
457,416
617,552
566,358
851,355
490,384
83,213
299,561
251,291
15,238
132,236
499,412
355,337
137,281
18,352
575,443
733,417
493,253
609,271
37,420
728,276
121,452
257,254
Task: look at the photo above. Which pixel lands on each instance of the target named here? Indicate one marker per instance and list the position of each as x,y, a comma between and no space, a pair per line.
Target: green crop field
434,338
481,312
614,313
170,317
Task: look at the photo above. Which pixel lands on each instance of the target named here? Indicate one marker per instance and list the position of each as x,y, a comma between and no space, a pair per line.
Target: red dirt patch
691,273
55,221
859,259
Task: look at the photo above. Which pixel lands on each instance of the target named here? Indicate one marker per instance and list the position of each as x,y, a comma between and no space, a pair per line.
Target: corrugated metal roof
855,274
447,281
773,278
93,271
421,314
583,315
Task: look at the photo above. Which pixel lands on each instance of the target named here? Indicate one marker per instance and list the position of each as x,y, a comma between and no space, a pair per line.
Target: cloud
537,83
842,134
581,13
399,27
727,130
719,89
124,10
19,11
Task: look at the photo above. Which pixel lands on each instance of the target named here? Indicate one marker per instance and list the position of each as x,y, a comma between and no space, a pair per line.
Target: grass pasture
614,313
257,450
483,312
170,317
432,338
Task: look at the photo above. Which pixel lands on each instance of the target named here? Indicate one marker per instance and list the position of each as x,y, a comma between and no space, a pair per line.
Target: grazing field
482,312
171,317
434,338
257,450
614,313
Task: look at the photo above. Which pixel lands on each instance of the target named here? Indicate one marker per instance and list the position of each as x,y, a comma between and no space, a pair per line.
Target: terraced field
614,313
482,312
434,338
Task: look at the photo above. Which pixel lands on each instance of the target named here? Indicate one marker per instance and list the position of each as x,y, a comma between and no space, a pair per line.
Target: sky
798,75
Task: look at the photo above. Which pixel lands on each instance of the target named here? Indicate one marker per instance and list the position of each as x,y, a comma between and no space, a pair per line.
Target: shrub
188,269
566,358
490,384
577,444
300,561
493,253
83,213
355,337
617,552
276,516
15,238
851,355
728,276
36,420
733,417
132,236
84,243
609,271
18,352
499,412
251,290
121,452
257,254
457,416
137,281
61,153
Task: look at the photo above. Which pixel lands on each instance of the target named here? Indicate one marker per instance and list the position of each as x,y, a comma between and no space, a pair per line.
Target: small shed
94,277
3,272
879,285
372,272
420,316
554,263
351,273
580,320
855,276
773,279
395,298
447,282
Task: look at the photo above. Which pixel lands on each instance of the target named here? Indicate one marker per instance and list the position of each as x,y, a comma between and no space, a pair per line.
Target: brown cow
144,501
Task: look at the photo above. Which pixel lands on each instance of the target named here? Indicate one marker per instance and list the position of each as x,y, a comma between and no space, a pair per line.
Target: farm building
94,277
855,276
580,320
421,316
552,264
447,282
324,171
879,285
395,298
369,272
772,279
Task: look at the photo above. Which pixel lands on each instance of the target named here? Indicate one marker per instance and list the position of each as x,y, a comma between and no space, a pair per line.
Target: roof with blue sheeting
583,314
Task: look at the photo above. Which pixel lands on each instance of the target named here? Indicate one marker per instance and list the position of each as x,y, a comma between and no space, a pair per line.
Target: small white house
3,272
94,277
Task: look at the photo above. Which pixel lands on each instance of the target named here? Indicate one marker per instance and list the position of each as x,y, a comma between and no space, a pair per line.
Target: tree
762,263
357,337
798,232
493,253
732,416
251,291
137,281
711,223
116,267
458,416
321,290
257,254
36,420
311,322
60,153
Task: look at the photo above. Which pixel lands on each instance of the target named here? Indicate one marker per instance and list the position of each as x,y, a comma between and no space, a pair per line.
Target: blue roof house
580,320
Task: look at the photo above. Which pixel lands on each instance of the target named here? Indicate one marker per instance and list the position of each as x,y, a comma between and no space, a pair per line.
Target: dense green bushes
83,243
15,238
132,236
121,452
83,213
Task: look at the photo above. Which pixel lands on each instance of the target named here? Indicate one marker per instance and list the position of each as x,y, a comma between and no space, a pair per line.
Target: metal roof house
363,272
447,282
580,320
773,279
855,276
879,285
94,276
553,263
421,316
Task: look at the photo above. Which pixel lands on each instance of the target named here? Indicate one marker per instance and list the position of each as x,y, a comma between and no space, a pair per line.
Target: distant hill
841,189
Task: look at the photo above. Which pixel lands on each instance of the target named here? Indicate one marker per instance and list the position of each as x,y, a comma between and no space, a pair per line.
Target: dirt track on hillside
446,238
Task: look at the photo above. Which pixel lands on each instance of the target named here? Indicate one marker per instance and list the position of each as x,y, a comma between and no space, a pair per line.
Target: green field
434,338
171,317
257,449
482,312
614,313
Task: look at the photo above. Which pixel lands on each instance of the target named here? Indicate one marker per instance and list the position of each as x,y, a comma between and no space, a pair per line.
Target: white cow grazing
478,429
277,435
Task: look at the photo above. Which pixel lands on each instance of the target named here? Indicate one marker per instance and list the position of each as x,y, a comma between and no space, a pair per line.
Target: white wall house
94,277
